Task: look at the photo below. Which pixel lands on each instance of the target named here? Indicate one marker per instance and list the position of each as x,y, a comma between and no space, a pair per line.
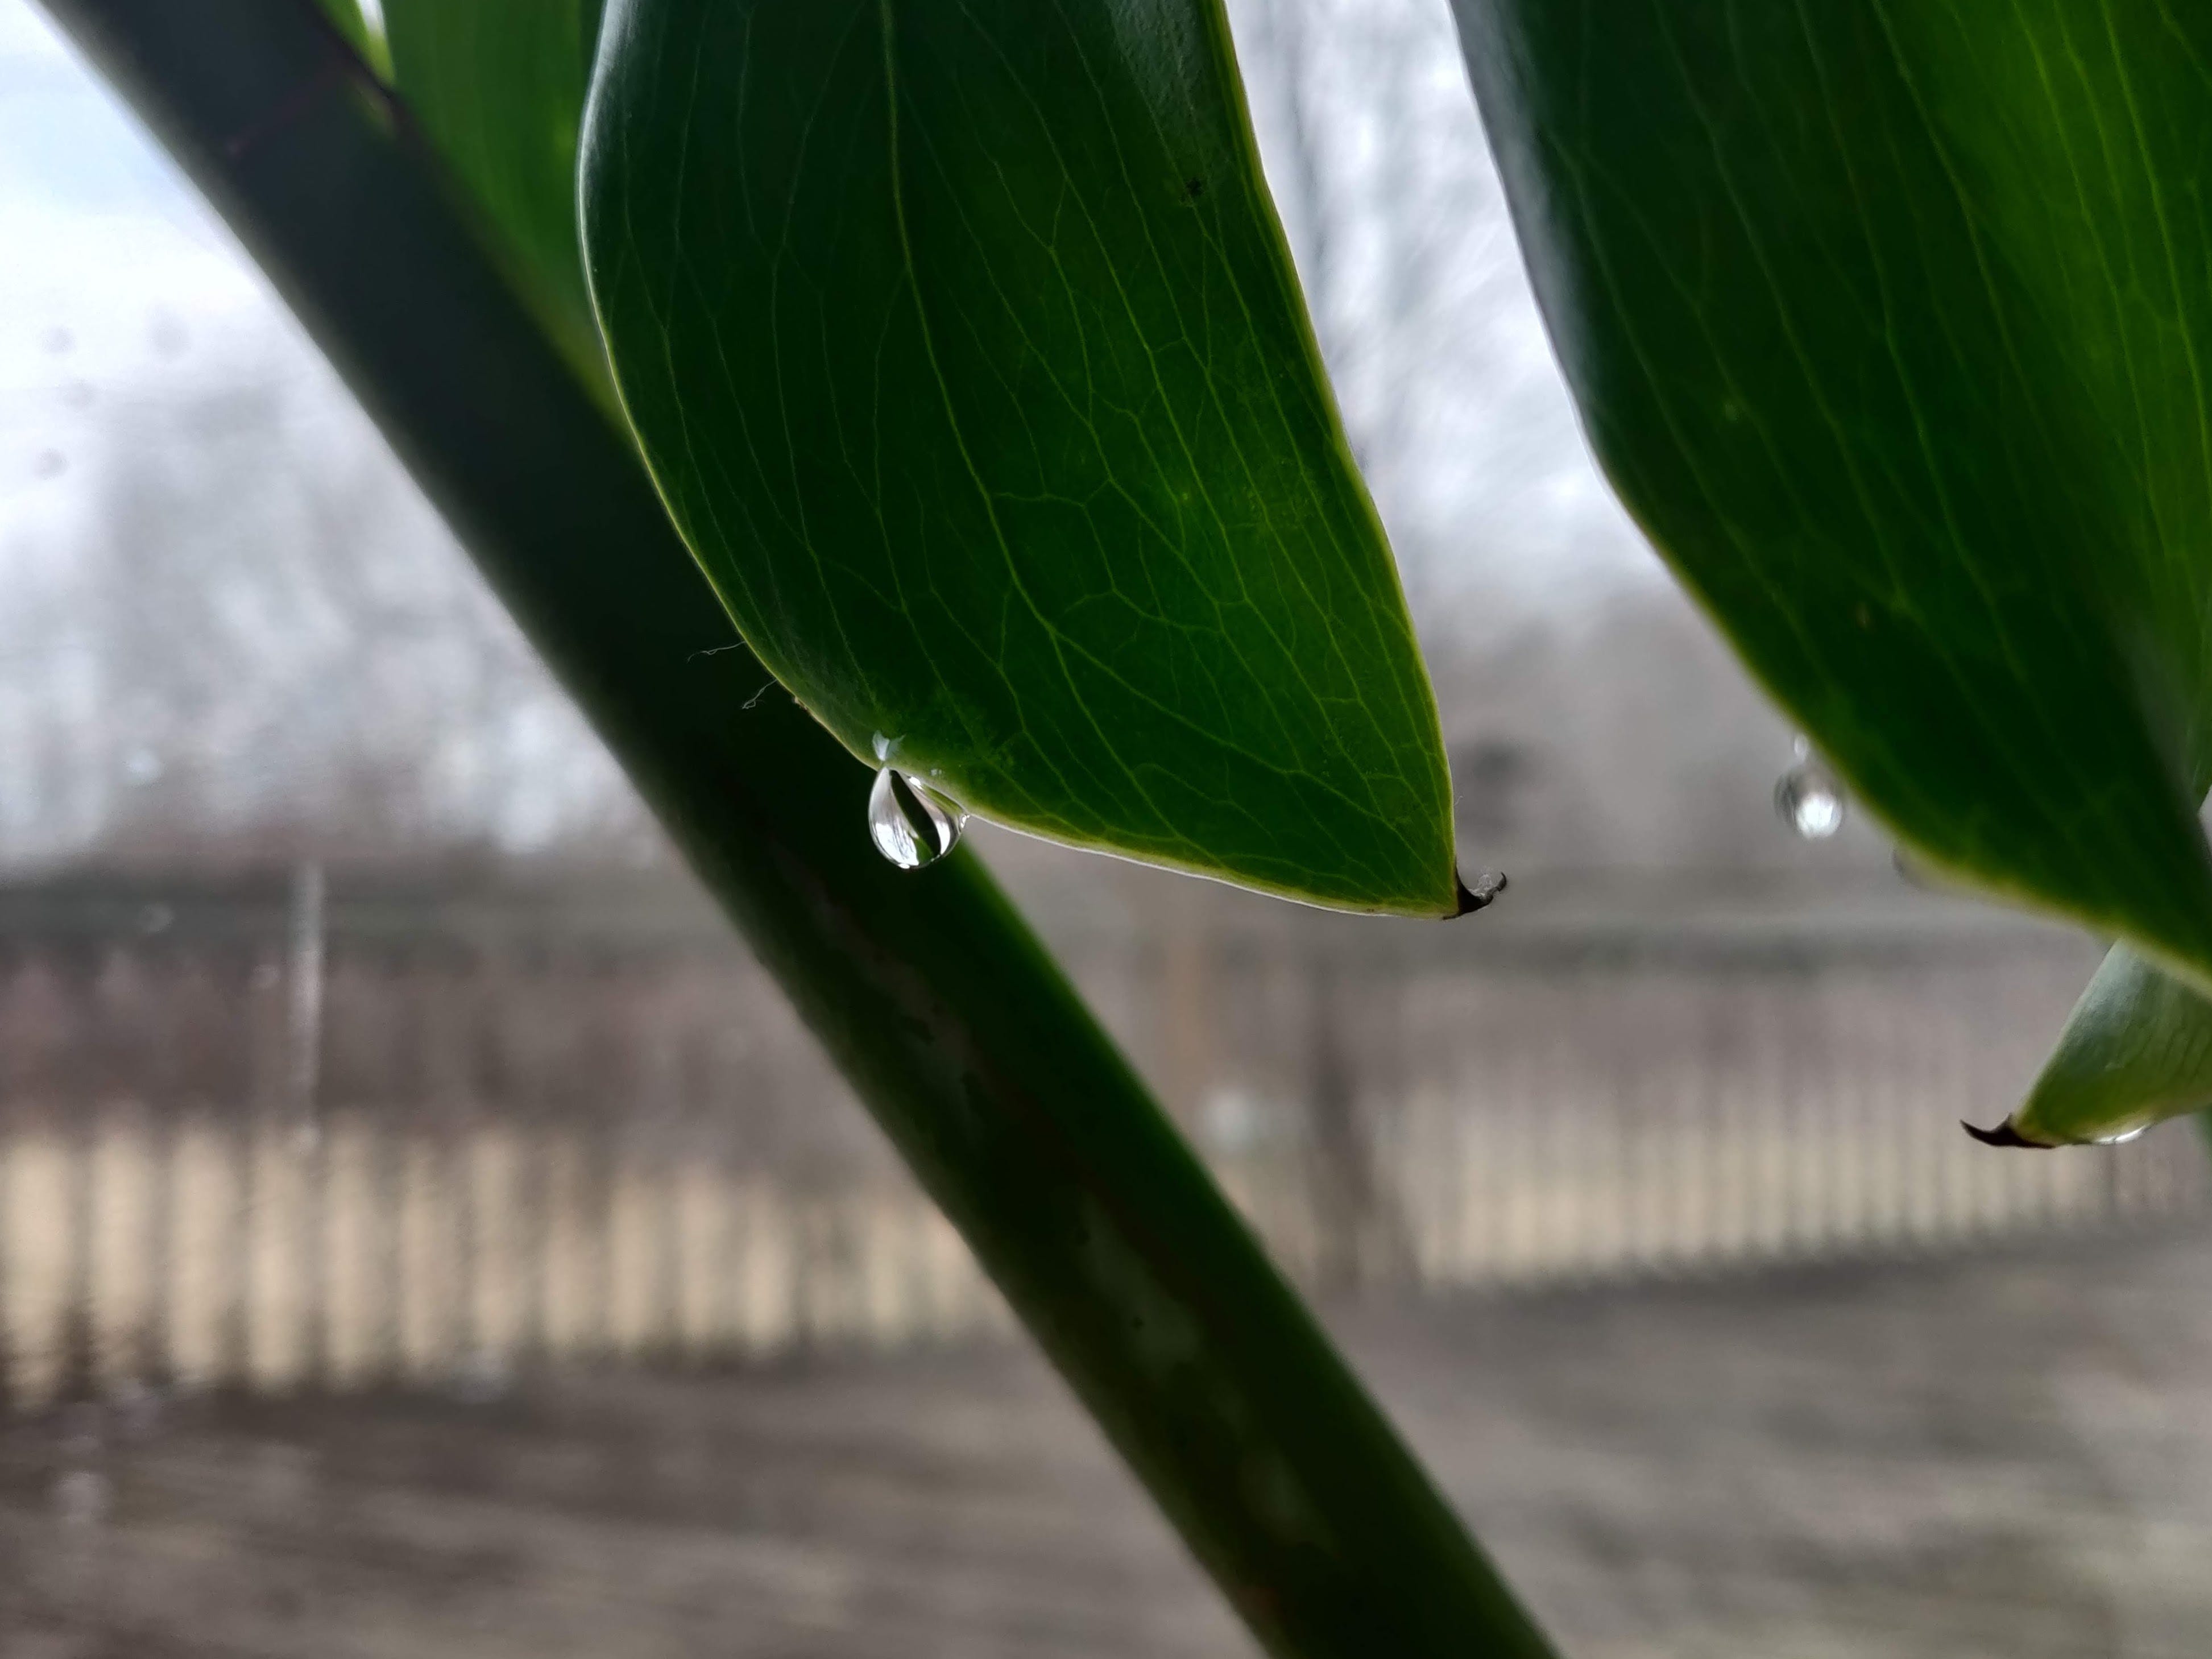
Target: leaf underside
1892,325
964,346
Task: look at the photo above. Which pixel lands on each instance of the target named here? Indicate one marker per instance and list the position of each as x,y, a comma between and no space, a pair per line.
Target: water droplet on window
912,824
2124,1136
1809,797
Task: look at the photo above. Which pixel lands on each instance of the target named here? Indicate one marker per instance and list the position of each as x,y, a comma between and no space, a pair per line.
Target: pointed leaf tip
1488,884
2005,1135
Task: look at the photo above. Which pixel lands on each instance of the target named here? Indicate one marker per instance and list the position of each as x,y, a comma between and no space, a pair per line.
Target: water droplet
912,824
1809,797
2122,1136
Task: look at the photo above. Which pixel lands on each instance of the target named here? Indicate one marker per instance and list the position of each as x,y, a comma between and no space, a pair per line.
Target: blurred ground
2008,1456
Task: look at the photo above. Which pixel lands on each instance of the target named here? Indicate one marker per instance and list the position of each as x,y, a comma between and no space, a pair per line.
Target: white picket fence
1556,1107
187,1253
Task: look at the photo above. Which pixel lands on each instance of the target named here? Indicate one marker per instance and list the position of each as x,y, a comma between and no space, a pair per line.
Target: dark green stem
1013,1108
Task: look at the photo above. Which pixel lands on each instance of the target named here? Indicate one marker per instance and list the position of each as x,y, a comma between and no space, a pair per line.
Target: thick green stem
1013,1108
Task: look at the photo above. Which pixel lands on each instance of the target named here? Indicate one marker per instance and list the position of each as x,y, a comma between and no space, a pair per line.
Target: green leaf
499,86
2137,1049
1892,325
963,345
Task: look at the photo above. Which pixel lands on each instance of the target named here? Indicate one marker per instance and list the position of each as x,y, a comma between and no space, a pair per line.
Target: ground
2006,1456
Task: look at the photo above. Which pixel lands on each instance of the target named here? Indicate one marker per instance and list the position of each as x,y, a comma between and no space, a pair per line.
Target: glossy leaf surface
1892,324
963,345
499,86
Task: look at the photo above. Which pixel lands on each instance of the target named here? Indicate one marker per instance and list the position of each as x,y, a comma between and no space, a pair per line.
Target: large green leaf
1892,324
963,345
499,86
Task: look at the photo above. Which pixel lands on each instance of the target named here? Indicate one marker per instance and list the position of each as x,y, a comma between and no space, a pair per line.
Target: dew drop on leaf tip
1808,797
912,824
2122,1136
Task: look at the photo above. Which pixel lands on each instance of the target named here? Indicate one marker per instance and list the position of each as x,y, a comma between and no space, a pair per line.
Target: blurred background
424,1230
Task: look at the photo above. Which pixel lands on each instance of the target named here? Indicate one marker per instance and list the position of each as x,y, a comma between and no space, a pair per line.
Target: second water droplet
911,822
1808,797
2124,1136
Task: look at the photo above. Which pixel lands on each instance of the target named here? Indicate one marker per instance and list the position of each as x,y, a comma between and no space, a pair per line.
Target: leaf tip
1488,884
2005,1135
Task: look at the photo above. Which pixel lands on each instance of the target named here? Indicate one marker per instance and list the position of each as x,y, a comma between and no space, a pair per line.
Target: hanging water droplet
2124,1136
1808,797
912,824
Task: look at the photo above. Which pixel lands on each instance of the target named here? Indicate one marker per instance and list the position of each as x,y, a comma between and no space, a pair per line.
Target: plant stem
1015,1111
